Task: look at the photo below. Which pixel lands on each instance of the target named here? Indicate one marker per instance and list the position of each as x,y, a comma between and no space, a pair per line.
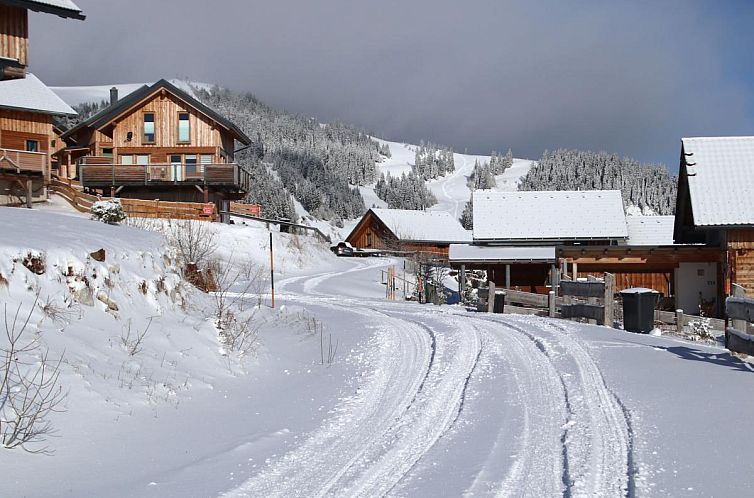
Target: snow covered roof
465,253
62,8
135,98
31,94
650,230
423,226
720,180
549,215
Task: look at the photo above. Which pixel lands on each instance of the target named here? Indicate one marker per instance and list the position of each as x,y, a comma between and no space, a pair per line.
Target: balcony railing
22,161
98,175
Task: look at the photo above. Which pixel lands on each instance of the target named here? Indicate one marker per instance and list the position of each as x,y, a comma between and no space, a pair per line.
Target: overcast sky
630,77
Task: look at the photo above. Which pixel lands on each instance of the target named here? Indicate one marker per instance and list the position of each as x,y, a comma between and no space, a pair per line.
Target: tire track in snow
433,413
598,433
401,354
539,458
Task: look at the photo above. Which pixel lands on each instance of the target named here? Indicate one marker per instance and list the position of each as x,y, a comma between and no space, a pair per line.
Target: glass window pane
149,127
142,159
190,164
183,127
127,159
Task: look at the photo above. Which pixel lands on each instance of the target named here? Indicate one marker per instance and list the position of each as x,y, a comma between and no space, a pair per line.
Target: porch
108,175
21,161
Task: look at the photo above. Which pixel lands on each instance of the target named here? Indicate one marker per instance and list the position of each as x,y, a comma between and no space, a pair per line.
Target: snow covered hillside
451,191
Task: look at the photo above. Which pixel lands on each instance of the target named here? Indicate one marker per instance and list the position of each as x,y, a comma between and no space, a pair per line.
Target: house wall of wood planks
14,34
371,233
204,136
741,259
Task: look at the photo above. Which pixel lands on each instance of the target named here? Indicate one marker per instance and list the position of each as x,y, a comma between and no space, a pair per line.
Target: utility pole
272,272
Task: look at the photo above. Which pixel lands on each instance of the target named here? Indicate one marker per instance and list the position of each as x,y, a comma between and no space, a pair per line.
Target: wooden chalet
157,142
27,106
428,233
715,205
530,240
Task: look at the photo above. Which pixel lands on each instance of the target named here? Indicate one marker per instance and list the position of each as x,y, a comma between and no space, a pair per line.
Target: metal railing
21,160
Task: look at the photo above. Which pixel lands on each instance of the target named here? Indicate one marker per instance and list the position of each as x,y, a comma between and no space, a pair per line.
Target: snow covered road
551,427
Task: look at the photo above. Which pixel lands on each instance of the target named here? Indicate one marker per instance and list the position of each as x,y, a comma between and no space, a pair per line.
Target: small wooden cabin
715,205
429,233
158,142
27,106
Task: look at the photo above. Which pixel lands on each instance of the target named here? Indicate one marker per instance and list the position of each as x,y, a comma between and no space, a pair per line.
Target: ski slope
451,191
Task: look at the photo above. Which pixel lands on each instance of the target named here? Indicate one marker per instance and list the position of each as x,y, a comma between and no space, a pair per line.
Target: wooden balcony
21,161
106,175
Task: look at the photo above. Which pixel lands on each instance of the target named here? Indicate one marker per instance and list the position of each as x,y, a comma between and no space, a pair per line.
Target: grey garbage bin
499,305
639,309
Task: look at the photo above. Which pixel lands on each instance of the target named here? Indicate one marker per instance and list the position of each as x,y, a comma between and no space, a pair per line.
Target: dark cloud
626,77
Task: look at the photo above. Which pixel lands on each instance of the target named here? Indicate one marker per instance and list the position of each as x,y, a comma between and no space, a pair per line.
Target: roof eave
37,111
47,9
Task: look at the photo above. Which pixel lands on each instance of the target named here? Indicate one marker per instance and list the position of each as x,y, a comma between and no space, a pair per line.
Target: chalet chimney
113,95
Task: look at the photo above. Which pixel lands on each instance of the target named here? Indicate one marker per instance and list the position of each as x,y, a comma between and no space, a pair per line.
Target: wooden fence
592,291
138,208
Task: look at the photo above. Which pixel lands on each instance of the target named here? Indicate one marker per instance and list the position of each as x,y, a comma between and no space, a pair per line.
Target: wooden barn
157,142
425,232
27,106
715,205
527,240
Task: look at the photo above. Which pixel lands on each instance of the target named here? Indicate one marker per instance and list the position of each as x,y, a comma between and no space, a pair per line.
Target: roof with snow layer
30,94
720,180
423,226
127,103
549,215
62,8
650,230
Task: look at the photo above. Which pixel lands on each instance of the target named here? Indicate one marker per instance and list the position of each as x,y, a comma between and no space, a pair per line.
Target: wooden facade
372,233
158,142
14,41
740,256
25,139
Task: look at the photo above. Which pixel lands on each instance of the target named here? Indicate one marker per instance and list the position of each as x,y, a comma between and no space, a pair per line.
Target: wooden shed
402,230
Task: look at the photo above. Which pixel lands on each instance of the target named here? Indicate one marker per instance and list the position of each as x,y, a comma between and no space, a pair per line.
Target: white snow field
418,400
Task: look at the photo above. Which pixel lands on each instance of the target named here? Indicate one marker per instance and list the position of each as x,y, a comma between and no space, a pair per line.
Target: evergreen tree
651,188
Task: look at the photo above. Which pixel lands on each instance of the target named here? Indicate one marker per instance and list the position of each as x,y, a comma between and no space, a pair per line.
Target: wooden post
679,321
28,193
272,272
206,194
575,271
508,276
404,279
551,304
607,300
461,282
491,298
591,300
554,281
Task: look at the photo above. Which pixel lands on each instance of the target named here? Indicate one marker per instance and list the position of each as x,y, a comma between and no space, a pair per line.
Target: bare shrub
238,329
194,241
58,313
30,390
3,281
133,341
